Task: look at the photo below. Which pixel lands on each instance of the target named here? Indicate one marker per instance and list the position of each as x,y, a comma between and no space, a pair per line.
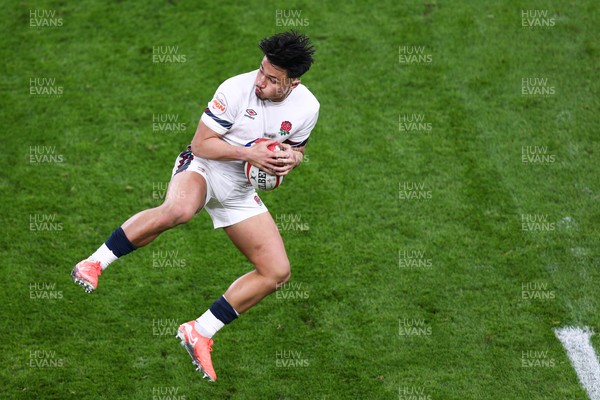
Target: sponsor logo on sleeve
218,105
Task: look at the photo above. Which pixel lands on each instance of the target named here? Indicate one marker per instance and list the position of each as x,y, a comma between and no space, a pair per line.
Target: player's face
272,83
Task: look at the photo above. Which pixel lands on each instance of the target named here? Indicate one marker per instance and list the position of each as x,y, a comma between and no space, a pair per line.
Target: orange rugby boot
86,274
199,348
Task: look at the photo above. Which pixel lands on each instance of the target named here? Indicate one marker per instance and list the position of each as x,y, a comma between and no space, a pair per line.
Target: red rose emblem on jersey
286,127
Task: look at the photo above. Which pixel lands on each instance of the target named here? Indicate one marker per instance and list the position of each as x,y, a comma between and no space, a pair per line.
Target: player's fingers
267,158
284,167
285,146
284,155
287,161
282,170
269,167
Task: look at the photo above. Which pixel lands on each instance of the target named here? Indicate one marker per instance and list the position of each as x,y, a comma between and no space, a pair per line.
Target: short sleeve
222,109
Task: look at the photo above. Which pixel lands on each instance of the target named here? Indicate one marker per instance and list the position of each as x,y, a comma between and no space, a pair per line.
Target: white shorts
227,201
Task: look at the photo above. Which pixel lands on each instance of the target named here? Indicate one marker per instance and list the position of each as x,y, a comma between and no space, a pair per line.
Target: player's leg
185,196
259,240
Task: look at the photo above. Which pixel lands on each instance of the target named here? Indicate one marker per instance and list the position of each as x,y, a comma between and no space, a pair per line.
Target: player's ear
295,82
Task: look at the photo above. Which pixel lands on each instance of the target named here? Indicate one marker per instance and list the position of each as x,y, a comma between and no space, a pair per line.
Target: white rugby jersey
236,113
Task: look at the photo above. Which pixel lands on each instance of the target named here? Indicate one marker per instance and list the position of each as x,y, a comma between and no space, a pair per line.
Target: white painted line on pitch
583,357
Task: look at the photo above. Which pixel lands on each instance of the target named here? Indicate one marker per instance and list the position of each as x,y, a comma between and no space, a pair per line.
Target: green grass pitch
444,223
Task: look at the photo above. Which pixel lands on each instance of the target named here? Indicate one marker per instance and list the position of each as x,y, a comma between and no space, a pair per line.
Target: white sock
207,325
104,255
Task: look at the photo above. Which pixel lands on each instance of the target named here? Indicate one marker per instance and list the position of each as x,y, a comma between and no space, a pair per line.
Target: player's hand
286,159
260,156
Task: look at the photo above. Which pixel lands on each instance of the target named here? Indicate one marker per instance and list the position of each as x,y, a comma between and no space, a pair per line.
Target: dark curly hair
291,51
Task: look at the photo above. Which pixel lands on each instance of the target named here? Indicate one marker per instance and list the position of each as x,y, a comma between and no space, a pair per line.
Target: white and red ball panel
261,180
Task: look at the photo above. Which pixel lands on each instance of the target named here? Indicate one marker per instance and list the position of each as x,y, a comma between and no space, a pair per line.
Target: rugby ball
260,179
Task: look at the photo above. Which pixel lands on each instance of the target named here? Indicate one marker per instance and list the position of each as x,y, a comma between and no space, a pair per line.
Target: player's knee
285,278
283,274
177,213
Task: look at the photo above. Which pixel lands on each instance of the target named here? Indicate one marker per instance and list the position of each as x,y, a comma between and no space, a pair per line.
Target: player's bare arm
209,144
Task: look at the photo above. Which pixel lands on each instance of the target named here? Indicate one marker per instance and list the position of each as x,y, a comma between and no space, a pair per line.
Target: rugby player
266,103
